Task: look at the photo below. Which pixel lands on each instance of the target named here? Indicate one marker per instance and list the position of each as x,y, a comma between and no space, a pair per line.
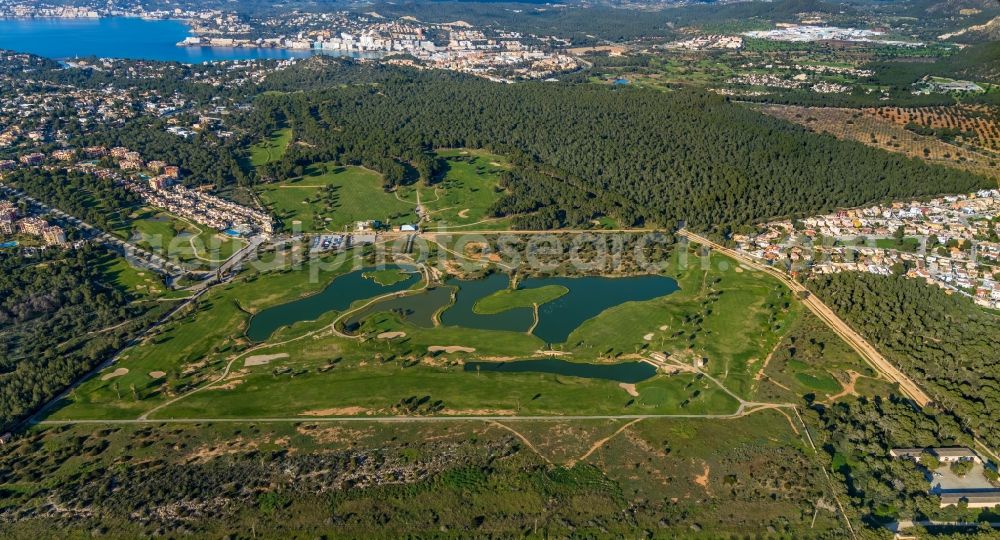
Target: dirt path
523,439
848,387
601,442
534,310
463,225
461,256
767,360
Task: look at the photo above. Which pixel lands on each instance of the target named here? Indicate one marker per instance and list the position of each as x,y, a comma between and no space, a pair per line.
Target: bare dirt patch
336,411
475,250
210,451
262,359
477,412
450,349
114,374
702,479
228,385
333,434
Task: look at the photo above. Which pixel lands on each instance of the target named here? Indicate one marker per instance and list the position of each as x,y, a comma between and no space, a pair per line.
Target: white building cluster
706,43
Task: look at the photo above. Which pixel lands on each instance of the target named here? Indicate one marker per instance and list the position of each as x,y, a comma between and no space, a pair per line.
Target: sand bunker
630,388
116,373
391,335
157,374
449,349
262,359
464,213
648,337
552,353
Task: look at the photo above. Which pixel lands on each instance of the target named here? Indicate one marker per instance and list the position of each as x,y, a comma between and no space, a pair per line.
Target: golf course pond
337,296
586,297
623,372
582,298
563,304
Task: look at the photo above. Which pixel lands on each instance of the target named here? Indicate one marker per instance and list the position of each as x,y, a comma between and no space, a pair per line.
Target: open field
885,129
556,477
190,347
270,149
141,283
386,277
974,125
464,194
332,198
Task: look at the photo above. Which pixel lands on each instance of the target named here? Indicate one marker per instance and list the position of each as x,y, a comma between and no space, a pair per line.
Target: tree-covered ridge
656,158
49,306
948,344
97,201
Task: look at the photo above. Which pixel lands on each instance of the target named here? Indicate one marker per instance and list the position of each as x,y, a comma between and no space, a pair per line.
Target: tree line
644,157
944,341
50,304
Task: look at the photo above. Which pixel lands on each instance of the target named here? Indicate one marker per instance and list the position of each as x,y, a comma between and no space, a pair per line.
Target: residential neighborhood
12,223
951,241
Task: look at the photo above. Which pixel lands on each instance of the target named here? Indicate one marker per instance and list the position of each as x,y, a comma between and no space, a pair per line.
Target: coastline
193,40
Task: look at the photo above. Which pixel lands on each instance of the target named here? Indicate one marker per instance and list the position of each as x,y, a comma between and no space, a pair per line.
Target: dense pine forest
944,341
856,436
645,157
58,319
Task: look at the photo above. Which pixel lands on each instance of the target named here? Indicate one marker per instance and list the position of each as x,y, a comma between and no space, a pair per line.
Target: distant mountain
988,31
978,63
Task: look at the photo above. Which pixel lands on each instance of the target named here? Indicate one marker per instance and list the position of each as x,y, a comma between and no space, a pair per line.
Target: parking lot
945,480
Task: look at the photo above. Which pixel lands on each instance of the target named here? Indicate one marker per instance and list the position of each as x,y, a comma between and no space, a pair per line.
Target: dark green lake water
587,298
337,296
470,291
418,309
625,372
